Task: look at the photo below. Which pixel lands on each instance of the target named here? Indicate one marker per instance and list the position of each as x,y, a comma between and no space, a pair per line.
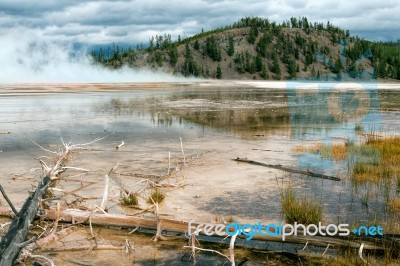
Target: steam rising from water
29,57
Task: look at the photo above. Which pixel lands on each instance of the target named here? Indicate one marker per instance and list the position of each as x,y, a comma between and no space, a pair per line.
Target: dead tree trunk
287,169
14,240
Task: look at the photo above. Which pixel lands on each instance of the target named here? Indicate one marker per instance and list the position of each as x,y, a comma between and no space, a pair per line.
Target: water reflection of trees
240,121
245,111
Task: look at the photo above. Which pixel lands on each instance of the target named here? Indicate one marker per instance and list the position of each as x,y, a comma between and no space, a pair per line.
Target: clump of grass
130,200
398,183
394,205
230,219
116,104
384,157
156,196
358,128
349,143
334,151
365,199
366,172
299,210
371,137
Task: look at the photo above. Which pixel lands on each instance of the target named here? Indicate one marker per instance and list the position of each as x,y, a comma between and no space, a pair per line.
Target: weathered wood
8,200
12,242
288,169
118,220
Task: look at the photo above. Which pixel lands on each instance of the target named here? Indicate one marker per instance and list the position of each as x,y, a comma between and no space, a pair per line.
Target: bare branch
8,200
120,145
105,193
46,150
360,251
78,146
231,249
75,168
209,250
183,153
327,247
42,258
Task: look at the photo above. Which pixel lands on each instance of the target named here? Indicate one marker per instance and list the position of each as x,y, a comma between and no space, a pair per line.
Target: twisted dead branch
12,243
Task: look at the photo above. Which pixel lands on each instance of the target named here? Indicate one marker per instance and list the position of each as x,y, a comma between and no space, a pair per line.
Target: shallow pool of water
215,124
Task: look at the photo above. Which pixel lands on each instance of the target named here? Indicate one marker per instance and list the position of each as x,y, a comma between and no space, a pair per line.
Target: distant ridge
255,48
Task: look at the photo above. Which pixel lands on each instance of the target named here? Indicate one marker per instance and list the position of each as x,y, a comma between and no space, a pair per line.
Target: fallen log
181,227
288,169
14,240
12,243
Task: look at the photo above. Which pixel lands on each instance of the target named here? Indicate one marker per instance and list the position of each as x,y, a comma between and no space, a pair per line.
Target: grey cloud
112,21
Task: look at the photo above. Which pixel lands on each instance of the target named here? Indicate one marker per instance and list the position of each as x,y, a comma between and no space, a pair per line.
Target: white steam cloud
27,57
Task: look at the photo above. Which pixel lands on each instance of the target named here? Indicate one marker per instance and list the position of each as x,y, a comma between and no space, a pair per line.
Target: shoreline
17,88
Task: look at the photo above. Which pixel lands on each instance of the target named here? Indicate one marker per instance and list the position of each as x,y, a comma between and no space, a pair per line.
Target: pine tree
212,49
173,55
275,64
219,72
231,47
264,73
291,67
189,66
196,45
262,45
258,63
253,34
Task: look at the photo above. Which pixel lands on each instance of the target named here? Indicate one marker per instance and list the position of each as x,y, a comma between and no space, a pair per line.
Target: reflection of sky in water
194,113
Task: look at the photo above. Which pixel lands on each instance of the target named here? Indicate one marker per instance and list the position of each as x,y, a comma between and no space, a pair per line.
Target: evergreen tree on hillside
231,47
264,73
253,34
196,45
189,65
262,44
291,68
173,55
258,62
219,72
212,49
275,68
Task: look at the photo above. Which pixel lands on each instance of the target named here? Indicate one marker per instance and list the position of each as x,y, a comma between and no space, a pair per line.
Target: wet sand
16,88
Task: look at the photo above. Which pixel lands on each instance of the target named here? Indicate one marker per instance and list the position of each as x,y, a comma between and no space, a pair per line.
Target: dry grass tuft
335,151
156,196
387,165
394,205
299,210
129,200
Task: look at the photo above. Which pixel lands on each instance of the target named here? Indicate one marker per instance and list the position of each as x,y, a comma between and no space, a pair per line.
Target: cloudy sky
53,26
135,20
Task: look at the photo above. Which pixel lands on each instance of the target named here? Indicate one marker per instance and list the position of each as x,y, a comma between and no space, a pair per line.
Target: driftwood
177,226
8,200
12,243
120,145
288,169
14,240
257,149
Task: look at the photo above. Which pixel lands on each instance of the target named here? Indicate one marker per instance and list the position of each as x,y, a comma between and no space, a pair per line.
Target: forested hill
255,48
